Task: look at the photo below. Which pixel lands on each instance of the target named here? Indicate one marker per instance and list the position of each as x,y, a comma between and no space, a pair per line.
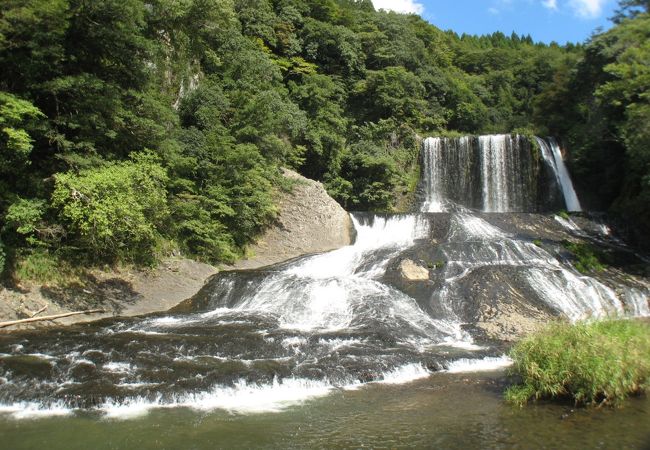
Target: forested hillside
132,129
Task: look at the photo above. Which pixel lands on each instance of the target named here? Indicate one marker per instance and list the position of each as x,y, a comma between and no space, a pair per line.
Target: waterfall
494,173
570,197
553,158
414,294
448,175
261,340
496,170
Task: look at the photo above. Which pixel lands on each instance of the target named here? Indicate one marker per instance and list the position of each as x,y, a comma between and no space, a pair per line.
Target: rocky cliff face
310,221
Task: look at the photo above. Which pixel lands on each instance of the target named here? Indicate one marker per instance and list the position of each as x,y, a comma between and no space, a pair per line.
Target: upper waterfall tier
495,173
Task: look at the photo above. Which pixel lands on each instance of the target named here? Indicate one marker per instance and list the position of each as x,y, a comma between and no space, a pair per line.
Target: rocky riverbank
309,221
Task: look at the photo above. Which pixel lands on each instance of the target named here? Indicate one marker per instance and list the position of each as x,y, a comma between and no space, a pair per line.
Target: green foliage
393,92
25,217
590,363
227,91
115,211
17,116
366,180
322,98
586,257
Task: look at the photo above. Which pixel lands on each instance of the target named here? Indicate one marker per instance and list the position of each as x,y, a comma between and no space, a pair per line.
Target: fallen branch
39,311
53,317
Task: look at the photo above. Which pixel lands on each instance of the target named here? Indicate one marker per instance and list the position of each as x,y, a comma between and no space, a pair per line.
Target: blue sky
545,20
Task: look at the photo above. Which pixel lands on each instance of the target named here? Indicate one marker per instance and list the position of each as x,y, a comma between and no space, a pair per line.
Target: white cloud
501,5
587,9
400,6
550,4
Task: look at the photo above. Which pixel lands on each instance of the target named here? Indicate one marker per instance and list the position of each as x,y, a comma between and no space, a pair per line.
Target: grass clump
591,363
587,259
44,267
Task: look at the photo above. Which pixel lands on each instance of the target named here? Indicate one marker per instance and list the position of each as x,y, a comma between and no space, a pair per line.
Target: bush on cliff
115,211
592,363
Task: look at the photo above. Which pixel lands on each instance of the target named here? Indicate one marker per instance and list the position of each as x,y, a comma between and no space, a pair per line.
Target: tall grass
43,267
592,363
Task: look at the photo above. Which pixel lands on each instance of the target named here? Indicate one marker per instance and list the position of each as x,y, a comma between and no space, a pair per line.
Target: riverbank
309,221
119,292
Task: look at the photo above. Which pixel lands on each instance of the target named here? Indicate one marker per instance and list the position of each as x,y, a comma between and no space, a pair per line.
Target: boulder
412,271
309,221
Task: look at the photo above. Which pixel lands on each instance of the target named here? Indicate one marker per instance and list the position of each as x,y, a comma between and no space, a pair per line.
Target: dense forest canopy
131,129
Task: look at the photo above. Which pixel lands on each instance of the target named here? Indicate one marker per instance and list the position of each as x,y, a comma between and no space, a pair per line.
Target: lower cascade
416,293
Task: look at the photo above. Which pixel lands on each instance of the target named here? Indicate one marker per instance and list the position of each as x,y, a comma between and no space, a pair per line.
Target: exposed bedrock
309,221
505,275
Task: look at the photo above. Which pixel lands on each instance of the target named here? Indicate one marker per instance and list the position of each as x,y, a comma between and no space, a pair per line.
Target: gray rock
309,221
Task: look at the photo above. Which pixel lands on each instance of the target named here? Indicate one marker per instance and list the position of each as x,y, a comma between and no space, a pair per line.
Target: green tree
32,42
392,92
115,211
18,118
322,98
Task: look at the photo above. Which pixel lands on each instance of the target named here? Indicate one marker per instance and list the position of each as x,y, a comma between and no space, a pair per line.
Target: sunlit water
446,411
317,352
262,341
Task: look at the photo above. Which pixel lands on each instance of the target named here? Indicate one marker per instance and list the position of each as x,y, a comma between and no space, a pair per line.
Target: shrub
115,211
591,363
587,259
24,216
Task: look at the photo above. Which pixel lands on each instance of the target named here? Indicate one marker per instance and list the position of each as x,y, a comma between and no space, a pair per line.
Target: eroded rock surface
310,221
412,271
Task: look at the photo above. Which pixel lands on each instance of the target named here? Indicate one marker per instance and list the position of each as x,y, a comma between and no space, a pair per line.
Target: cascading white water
447,172
495,171
432,155
570,196
638,301
553,157
473,243
336,290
